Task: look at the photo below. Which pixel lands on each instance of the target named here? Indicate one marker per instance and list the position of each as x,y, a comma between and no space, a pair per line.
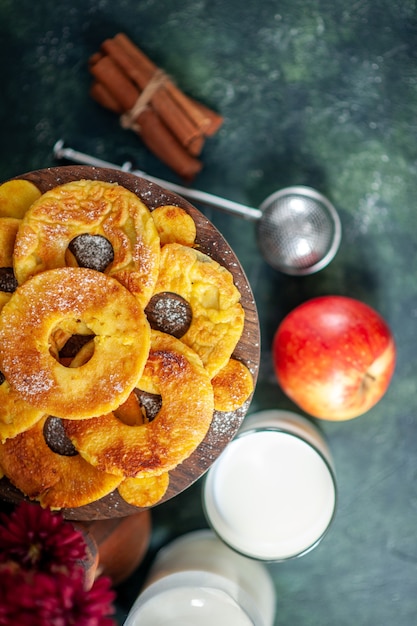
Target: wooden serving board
224,425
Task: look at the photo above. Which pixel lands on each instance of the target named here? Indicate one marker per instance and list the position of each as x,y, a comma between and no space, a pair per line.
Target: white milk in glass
272,493
198,581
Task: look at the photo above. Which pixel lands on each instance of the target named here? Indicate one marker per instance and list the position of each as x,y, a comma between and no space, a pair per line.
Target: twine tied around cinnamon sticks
128,119
171,124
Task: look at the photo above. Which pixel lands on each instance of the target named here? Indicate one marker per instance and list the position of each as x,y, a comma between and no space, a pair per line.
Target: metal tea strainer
298,229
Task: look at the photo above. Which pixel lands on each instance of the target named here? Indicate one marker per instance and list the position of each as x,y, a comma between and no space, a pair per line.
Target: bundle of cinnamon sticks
171,124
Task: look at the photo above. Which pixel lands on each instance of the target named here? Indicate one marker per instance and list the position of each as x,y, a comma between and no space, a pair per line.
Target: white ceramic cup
272,493
197,580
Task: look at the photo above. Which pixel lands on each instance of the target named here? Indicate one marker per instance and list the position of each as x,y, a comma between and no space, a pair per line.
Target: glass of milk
272,493
197,580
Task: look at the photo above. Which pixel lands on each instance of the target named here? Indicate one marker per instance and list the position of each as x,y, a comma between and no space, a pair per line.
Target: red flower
94,607
41,580
38,539
38,599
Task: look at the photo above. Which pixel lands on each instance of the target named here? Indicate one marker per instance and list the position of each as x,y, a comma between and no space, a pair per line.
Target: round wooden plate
211,242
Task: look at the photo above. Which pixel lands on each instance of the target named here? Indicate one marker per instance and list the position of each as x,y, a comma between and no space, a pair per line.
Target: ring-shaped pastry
175,372
94,208
55,480
217,315
93,301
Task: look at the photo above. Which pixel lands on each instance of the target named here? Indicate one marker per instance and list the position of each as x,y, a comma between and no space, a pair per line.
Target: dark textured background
322,93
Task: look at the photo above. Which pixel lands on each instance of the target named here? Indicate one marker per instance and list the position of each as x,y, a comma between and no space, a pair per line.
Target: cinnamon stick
149,68
171,124
166,147
94,58
117,84
170,112
101,95
140,58
156,136
214,120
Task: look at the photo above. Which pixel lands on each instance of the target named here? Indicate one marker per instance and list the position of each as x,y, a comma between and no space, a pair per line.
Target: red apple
334,357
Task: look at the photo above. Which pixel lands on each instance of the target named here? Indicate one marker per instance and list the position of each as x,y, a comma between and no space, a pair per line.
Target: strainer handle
208,199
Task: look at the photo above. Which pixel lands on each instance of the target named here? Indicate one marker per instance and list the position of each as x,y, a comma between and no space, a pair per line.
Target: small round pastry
55,480
175,372
232,386
16,196
174,225
144,491
91,303
217,315
96,208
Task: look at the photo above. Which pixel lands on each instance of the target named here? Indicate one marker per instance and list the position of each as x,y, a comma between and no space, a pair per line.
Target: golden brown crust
4,298
174,225
54,480
8,231
232,386
16,415
16,196
174,371
217,315
144,491
96,208
91,299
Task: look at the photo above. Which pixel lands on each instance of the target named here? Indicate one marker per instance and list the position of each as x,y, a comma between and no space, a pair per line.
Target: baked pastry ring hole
169,313
151,403
72,343
52,299
140,408
176,373
8,282
76,351
94,252
56,437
